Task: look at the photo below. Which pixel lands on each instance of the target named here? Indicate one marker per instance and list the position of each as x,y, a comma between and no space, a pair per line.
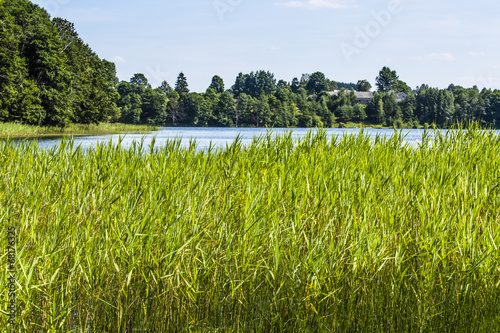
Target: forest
51,77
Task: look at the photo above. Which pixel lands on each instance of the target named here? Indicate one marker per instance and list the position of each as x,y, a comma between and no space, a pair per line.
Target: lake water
218,137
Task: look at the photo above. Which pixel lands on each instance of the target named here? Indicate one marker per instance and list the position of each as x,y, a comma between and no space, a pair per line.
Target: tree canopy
387,80
49,75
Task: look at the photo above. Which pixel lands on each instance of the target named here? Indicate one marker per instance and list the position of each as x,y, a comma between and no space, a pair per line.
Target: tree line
257,99
50,77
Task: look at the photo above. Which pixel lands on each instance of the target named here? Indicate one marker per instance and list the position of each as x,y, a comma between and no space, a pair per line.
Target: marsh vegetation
316,234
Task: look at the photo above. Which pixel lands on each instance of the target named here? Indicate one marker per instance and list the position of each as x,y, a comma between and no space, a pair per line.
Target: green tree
166,88
181,85
217,84
375,109
244,109
317,83
212,99
387,80
392,111
174,111
204,113
359,113
402,87
408,106
345,113
196,110
281,116
49,76
445,108
252,84
239,86
140,80
305,115
282,84
225,111
154,107
364,85
262,114
295,85
265,82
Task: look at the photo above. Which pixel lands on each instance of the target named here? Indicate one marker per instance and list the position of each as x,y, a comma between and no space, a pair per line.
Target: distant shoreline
21,131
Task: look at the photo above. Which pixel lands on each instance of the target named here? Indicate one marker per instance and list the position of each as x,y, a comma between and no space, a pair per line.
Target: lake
218,137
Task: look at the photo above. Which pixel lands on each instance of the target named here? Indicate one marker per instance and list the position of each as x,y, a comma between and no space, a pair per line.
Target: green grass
376,126
14,130
315,235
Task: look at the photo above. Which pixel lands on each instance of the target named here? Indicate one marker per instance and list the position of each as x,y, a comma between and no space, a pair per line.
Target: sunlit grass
309,235
15,130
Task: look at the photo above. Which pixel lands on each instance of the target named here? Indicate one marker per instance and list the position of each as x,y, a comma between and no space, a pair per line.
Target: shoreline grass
14,130
298,235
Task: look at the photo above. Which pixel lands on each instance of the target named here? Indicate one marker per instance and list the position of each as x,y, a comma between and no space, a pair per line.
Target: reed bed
16,130
319,234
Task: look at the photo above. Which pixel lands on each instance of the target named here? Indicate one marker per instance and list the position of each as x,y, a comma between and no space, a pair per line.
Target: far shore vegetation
13,130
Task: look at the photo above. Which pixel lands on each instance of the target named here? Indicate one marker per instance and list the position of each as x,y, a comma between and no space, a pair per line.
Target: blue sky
425,41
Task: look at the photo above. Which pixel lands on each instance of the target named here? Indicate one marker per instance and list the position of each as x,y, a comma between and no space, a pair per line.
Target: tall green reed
315,234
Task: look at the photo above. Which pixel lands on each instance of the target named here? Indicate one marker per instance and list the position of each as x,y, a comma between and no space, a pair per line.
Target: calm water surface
217,137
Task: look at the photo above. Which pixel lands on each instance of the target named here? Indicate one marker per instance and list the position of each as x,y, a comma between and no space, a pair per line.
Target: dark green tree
392,111
239,86
175,113
217,84
375,109
445,108
364,85
387,80
245,109
195,109
154,107
204,113
402,87
262,114
140,80
295,85
408,108
166,88
181,85
359,113
225,111
317,83
282,84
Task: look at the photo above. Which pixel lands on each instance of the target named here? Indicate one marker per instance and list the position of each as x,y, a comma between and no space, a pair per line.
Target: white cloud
476,54
319,4
118,59
442,56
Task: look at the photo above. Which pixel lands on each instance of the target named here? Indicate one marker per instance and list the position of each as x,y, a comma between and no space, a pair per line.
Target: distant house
364,97
400,96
